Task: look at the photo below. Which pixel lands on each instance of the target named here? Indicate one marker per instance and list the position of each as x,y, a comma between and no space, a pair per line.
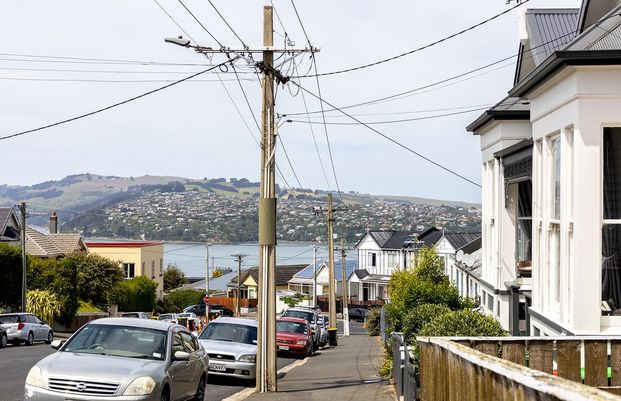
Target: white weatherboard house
551,160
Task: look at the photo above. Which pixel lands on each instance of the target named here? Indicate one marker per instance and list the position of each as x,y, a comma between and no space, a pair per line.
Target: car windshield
237,333
300,314
124,341
6,319
166,316
291,327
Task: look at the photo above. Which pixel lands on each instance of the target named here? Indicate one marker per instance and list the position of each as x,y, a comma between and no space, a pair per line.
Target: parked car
188,319
26,328
4,340
231,344
294,335
311,315
215,310
137,315
122,359
168,317
358,314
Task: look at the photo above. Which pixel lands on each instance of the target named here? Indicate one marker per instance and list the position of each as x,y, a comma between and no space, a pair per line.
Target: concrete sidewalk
346,372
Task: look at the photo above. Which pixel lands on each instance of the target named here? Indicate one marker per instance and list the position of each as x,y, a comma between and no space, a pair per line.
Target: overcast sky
193,129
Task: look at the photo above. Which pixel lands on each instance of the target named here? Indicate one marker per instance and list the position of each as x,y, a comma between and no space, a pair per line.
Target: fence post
383,325
398,354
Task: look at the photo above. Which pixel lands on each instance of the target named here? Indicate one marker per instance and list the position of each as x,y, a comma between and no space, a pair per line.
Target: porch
520,368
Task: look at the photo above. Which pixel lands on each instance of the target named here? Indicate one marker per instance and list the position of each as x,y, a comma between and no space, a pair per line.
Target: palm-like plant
42,303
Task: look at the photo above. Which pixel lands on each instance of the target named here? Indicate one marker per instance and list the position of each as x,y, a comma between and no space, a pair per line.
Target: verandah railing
520,368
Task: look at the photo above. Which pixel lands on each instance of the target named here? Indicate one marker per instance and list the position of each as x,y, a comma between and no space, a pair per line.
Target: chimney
53,223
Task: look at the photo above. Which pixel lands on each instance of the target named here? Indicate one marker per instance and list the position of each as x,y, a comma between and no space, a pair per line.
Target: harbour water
190,256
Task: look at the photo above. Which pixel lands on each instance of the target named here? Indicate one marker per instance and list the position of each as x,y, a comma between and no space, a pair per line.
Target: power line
389,138
444,39
200,23
227,24
85,60
113,105
393,121
120,81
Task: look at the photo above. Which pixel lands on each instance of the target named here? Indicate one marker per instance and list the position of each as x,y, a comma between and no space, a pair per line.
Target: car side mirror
181,356
56,344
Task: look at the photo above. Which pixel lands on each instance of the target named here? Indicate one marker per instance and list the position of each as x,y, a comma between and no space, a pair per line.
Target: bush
183,298
173,278
43,304
373,322
419,317
59,277
463,323
97,275
10,277
165,306
137,294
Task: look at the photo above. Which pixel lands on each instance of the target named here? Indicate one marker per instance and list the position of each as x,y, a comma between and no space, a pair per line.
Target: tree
10,277
217,273
97,275
173,278
59,277
183,298
44,304
137,294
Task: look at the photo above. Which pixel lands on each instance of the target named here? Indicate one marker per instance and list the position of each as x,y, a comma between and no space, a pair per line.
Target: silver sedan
122,359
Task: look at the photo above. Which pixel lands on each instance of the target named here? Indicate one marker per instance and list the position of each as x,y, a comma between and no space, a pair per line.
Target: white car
26,328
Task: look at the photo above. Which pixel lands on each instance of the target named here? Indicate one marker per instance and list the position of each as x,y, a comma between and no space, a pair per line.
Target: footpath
348,371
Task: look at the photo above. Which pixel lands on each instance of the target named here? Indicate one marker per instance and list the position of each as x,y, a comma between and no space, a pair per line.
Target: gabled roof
458,240
307,273
68,243
389,239
549,29
472,246
38,244
509,108
430,237
215,284
8,223
381,237
284,273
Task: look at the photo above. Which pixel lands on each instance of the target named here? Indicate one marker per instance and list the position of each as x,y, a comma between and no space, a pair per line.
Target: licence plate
217,367
283,347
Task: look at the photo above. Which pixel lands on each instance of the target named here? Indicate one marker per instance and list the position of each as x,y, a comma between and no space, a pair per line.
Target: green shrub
173,278
137,294
10,277
373,322
97,275
463,323
420,316
165,306
183,298
59,277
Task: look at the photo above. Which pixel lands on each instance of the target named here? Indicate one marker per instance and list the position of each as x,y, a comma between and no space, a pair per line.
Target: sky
55,64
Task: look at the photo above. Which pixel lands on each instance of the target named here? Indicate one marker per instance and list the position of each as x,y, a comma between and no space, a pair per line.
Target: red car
294,335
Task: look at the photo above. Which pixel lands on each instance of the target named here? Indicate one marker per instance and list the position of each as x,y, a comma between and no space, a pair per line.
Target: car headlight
140,386
34,377
248,358
301,342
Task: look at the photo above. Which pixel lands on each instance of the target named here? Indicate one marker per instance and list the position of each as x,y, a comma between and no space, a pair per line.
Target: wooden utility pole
266,347
238,257
345,290
266,313
315,276
22,209
332,283
207,281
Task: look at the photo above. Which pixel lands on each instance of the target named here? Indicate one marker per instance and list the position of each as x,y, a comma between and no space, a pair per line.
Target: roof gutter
558,61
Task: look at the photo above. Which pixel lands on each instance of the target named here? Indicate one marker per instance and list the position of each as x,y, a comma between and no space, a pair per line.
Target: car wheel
311,349
3,340
30,339
50,337
200,391
164,396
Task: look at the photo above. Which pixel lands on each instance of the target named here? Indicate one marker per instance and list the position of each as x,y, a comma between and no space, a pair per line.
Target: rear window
237,333
130,315
7,319
309,316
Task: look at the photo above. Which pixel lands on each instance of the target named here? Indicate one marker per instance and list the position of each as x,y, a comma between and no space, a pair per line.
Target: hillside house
9,226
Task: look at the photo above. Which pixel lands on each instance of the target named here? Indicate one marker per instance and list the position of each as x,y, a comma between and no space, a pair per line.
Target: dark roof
472,246
381,237
597,45
7,227
516,147
549,29
361,273
509,108
458,240
430,237
389,239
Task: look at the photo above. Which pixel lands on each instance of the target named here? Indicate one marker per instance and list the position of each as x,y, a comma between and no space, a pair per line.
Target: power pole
315,276
345,289
22,209
266,313
238,257
331,282
207,280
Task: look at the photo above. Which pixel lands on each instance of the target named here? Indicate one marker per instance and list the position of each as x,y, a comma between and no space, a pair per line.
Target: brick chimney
53,223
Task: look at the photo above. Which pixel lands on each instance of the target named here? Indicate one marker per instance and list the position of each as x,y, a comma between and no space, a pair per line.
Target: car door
40,329
195,351
179,371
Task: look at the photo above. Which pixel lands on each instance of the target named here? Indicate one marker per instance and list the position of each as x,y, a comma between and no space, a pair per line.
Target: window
372,259
152,269
611,229
128,270
142,270
524,228
554,233
161,267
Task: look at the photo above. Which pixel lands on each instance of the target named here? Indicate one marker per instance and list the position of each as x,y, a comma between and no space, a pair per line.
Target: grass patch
88,307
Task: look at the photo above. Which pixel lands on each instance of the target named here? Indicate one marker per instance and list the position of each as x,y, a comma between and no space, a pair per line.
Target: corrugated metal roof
458,240
307,272
610,40
550,30
381,237
398,239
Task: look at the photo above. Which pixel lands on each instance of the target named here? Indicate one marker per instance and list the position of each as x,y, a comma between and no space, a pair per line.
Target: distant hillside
219,209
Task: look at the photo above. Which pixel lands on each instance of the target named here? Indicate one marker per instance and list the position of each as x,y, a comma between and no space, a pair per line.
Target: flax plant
43,304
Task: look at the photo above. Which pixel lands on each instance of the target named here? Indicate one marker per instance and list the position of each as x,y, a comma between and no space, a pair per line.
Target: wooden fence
520,368
232,302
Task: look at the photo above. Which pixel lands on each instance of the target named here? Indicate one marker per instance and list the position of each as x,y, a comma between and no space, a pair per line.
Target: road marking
247,392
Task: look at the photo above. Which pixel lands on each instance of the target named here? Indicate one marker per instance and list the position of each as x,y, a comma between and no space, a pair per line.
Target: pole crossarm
254,49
